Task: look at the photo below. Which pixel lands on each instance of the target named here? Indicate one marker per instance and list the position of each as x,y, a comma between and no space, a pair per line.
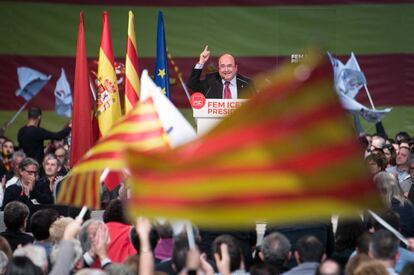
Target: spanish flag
288,155
131,67
108,107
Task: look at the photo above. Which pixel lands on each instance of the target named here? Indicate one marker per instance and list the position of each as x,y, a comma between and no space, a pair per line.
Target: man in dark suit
226,83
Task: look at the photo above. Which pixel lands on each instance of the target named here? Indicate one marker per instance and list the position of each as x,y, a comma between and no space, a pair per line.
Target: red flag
81,138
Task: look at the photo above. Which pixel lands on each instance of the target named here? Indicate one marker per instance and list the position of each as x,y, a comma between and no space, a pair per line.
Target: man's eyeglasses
31,172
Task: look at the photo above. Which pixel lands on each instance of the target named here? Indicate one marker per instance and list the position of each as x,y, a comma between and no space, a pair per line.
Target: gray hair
389,188
18,153
119,269
84,234
51,156
275,249
35,253
28,161
384,245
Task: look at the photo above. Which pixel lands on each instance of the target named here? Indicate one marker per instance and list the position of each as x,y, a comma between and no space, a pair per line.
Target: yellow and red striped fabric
108,106
131,67
289,154
140,129
81,189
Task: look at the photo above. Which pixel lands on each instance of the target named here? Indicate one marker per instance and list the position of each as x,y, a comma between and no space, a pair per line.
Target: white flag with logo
63,96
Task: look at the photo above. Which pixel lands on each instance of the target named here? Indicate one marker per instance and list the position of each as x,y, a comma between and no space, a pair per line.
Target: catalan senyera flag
289,154
82,131
140,129
131,67
108,106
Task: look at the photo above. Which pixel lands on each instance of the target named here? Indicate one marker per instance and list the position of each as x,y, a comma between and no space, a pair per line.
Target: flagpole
178,72
184,87
365,85
388,227
190,235
92,88
369,96
10,122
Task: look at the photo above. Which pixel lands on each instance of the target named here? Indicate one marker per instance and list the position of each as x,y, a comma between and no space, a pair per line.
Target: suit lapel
240,86
218,87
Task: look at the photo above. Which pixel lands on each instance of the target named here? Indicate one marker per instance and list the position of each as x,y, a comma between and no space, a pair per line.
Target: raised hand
223,262
72,229
143,227
204,56
26,188
205,265
100,241
193,259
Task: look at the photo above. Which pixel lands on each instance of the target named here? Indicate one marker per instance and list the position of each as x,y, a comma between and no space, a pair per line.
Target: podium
208,112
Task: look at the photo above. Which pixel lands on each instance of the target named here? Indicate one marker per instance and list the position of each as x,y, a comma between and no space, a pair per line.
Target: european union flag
161,67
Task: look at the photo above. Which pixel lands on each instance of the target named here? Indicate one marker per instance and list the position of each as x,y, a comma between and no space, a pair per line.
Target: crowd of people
44,238
39,240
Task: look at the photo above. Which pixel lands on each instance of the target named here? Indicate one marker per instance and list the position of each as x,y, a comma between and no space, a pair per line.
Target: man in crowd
384,247
40,223
226,83
13,176
7,150
45,189
63,157
309,254
275,251
16,215
401,170
90,231
22,189
377,142
393,219
31,136
234,252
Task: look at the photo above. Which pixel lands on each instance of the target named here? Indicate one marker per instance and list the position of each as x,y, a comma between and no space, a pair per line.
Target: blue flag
30,82
63,96
161,77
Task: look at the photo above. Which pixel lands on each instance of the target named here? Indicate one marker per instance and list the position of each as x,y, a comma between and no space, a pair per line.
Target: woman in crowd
394,199
376,163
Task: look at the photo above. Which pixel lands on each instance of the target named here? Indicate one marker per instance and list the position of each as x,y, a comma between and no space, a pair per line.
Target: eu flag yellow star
163,91
161,73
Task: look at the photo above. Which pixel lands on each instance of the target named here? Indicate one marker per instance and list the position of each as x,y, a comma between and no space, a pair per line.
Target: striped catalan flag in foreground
287,155
140,129
131,67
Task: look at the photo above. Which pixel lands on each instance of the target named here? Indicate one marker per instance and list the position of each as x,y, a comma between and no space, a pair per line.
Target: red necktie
227,93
